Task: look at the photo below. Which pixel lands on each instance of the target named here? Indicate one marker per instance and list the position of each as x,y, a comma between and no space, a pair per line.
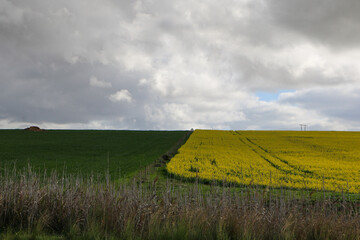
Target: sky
180,64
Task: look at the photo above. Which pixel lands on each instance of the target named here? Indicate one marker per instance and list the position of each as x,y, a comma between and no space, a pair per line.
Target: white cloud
121,96
143,82
94,82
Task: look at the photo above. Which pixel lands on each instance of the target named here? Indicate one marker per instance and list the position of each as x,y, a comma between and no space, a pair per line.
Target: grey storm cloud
338,102
178,64
329,22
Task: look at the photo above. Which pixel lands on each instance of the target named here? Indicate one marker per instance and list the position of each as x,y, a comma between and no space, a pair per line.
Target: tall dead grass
72,207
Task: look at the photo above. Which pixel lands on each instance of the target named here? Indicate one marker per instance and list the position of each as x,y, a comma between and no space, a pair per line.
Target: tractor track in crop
263,151
266,155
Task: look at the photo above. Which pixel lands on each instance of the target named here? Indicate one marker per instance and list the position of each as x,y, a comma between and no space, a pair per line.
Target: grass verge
86,208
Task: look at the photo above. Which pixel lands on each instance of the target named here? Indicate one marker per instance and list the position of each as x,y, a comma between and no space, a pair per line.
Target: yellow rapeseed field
307,159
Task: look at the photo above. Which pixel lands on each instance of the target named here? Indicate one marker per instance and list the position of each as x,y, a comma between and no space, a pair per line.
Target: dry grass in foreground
78,208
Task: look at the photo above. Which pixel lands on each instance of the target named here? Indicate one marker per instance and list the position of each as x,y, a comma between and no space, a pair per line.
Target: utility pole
303,127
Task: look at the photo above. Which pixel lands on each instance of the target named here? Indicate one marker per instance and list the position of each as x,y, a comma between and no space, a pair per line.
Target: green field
85,151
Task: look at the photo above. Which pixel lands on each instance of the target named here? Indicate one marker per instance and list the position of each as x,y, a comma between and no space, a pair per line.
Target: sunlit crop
310,160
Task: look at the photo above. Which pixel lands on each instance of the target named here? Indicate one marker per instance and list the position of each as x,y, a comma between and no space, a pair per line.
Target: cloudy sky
180,64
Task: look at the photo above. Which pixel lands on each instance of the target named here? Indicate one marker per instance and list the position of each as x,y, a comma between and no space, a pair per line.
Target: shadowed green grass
85,151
